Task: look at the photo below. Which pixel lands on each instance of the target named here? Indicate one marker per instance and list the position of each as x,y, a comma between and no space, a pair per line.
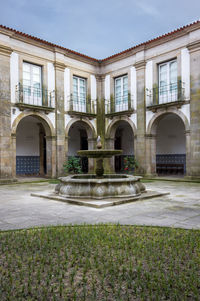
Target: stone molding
100,78
140,65
5,50
195,46
59,66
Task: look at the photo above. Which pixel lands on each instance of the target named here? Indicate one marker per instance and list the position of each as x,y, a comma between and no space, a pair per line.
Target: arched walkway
168,144
121,135
33,143
81,135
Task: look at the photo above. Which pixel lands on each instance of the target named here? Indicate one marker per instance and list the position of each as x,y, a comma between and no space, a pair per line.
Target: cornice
5,50
195,46
59,66
140,64
100,77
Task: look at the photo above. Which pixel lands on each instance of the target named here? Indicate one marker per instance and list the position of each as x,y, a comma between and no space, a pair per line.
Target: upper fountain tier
99,153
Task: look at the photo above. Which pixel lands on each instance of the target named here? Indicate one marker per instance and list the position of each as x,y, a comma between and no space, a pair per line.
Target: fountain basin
99,153
91,187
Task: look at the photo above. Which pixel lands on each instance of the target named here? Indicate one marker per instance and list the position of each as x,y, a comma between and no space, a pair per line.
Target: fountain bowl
107,187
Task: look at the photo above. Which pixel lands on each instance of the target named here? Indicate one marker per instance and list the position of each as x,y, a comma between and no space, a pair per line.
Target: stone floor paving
180,209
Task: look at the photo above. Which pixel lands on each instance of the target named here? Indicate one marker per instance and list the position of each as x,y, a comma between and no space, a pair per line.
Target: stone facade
60,112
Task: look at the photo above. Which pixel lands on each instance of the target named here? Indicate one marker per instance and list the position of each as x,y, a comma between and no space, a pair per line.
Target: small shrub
130,164
73,165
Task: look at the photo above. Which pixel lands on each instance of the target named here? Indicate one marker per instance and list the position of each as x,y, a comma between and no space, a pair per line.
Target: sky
97,28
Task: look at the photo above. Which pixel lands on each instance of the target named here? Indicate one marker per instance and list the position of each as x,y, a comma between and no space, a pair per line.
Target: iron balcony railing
82,105
166,94
30,95
120,104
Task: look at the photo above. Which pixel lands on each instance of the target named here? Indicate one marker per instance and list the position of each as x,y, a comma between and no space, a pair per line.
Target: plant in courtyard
73,165
130,164
100,262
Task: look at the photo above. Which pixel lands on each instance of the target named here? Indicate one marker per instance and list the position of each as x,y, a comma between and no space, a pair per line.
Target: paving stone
18,209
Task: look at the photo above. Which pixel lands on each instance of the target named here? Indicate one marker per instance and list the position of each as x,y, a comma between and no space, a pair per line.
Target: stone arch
151,129
152,134
91,132
112,141
50,131
91,139
110,133
49,136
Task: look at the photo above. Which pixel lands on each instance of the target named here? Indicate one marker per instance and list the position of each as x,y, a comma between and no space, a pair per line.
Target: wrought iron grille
166,94
119,104
34,96
82,104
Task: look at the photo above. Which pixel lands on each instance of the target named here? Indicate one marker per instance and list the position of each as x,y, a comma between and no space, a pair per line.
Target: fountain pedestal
99,186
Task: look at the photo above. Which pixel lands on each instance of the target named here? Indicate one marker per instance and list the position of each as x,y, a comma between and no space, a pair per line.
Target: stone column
109,164
91,162
141,117
6,156
150,155
60,118
101,108
188,154
194,164
51,156
13,147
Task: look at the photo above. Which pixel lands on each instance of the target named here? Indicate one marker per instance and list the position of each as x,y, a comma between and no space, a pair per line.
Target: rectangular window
168,88
121,93
79,94
32,84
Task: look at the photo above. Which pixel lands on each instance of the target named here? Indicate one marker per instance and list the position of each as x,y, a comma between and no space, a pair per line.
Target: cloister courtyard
180,209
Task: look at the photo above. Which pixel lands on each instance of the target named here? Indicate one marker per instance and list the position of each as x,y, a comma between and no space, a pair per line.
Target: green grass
103,262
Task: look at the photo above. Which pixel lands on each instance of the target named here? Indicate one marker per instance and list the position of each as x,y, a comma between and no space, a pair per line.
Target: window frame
31,94
79,99
123,98
168,92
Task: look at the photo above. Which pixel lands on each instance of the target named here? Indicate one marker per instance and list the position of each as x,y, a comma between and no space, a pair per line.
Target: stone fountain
99,186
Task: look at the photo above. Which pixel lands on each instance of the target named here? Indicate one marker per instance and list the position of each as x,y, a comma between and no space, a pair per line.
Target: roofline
171,33
47,43
180,29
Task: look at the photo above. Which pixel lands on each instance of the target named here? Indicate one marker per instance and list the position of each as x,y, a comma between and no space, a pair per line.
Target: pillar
141,117
60,118
194,164
6,156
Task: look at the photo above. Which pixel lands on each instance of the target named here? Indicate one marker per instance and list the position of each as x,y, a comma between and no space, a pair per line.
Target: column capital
187,132
150,136
100,77
59,66
195,46
50,138
140,64
5,50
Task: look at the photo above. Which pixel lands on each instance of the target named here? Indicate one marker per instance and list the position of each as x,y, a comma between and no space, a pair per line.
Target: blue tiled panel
172,159
27,165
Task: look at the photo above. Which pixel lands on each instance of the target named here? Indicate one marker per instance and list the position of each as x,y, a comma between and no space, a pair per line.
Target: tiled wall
27,165
172,159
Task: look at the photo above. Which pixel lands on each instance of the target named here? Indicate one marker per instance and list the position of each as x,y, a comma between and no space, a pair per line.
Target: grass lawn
103,262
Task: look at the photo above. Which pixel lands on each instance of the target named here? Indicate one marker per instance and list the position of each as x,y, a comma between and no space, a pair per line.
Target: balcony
166,96
82,106
119,106
28,97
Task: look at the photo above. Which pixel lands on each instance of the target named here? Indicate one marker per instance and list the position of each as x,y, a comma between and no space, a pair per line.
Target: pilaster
60,121
194,162
101,108
6,156
141,117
